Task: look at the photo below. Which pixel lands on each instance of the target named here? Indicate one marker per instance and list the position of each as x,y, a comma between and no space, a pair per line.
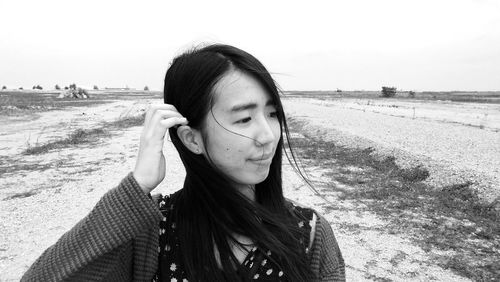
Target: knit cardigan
118,241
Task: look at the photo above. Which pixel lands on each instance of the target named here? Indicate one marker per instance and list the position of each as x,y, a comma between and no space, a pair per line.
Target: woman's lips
262,159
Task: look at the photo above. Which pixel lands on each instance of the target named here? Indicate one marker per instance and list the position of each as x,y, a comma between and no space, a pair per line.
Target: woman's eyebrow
249,106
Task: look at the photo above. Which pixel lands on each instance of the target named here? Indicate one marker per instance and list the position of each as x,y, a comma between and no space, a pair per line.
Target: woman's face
242,129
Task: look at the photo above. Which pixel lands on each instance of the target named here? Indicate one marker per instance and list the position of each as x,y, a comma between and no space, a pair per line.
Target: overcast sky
308,45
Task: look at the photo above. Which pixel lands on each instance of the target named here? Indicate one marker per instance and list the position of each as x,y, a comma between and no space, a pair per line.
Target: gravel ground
73,180
453,151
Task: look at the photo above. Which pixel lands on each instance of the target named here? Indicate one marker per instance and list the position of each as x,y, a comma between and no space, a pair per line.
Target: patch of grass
86,171
127,121
77,137
396,259
86,136
20,195
414,174
9,165
451,218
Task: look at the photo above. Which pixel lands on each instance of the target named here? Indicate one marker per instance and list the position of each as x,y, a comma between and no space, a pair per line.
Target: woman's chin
253,179
260,177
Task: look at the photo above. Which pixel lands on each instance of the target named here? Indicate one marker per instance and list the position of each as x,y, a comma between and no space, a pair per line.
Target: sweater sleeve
326,258
101,245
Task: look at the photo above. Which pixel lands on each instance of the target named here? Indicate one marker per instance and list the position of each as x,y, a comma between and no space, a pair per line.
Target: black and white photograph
345,140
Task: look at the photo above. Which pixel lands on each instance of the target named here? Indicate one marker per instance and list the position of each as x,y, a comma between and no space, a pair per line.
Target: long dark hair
209,209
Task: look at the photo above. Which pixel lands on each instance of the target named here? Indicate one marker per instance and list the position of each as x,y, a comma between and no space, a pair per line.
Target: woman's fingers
161,121
150,112
174,121
162,115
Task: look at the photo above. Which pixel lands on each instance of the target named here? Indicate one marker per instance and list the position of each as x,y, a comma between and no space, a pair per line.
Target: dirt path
71,181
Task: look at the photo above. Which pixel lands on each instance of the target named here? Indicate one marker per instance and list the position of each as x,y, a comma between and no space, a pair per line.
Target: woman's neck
247,191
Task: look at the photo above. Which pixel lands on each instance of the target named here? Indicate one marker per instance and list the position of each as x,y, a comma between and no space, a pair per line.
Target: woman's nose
265,134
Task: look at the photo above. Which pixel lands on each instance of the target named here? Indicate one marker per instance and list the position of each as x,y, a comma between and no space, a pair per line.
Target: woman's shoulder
301,210
321,229
325,256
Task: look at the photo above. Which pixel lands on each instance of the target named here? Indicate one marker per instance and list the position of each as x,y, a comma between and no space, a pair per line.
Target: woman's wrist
142,184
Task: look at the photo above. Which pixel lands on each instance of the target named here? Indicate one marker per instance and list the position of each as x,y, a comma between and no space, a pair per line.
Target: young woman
230,221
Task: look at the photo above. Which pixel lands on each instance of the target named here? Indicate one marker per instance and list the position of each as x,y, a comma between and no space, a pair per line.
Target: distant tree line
74,87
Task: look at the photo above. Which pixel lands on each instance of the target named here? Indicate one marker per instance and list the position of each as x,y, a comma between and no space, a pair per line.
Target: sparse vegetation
4,87
127,121
388,92
95,87
415,174
21,195
79,136
57,87
411,94
29,102
146,88
448,219
38,87
85,136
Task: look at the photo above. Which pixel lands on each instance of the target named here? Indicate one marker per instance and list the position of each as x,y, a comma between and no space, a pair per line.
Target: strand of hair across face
236,133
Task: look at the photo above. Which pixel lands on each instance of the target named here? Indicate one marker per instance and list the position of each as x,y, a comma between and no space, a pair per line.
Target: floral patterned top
258,265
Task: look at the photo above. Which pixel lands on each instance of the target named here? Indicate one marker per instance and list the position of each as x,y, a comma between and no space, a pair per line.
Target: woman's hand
150,166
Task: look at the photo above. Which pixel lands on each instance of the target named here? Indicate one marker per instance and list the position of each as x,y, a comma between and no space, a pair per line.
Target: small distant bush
66,87
37,87
388,91
20,88
57,87
72,86
95,87
339,90
4,87
411,94
146,88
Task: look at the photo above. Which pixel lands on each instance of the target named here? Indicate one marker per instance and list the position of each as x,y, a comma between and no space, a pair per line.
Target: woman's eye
245,120
273,114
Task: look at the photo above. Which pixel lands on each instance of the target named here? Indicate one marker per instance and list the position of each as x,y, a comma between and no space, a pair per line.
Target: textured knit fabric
260,264
118,241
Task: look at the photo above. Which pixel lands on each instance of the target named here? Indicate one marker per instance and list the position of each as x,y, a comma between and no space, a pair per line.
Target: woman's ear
191,138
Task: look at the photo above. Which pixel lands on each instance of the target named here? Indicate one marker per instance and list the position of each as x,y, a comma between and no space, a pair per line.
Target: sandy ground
69,182
457,142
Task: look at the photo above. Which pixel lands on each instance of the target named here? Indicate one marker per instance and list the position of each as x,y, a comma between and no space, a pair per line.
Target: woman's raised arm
150,166
118,239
